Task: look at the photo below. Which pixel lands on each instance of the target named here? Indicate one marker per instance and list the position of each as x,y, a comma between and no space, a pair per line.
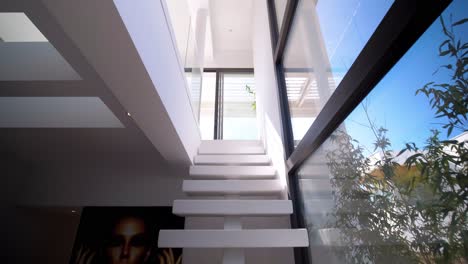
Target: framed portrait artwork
111,235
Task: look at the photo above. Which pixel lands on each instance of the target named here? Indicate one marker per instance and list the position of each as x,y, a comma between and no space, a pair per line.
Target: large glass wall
323,43
390,184
228,105
239,106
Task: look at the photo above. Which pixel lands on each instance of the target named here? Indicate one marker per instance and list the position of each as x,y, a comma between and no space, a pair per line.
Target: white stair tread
232,172
232,207
232,160
221,147
232,187
255,238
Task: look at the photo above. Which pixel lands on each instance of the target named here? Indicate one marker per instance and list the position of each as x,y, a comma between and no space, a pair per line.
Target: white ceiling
231,31
231,23
228,40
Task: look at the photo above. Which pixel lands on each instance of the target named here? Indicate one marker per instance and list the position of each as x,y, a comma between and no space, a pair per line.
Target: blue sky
393,103
348,28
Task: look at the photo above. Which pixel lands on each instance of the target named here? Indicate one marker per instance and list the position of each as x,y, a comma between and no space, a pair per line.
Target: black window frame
401,27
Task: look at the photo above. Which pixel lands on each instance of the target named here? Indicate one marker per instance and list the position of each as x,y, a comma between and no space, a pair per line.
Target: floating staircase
230,170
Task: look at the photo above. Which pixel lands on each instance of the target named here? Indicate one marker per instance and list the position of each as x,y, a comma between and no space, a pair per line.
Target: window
389,184
228,106
322,44
239,106
364,202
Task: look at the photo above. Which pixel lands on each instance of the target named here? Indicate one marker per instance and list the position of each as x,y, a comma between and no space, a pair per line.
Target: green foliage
375,220
252,92
444,163
413,215
450,100
443,167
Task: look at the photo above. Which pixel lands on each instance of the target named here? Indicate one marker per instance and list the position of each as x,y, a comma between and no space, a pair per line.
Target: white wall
268,111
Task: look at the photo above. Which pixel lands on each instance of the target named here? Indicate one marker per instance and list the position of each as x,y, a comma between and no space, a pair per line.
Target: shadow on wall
274,148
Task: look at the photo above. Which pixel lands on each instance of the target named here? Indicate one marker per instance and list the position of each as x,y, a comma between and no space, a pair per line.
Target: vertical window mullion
221,104
284,30
216,112
273,23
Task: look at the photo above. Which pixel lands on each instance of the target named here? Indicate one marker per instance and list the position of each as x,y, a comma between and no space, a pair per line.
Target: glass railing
183,24
389,185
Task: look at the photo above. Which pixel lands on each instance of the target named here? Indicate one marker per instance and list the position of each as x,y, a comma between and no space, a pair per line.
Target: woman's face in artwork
129,242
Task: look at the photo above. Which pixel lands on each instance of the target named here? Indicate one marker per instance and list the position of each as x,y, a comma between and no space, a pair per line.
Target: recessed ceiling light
129,114
73,211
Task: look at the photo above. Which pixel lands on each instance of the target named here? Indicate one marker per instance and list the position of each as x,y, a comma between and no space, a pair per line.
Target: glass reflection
323,43
390,185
